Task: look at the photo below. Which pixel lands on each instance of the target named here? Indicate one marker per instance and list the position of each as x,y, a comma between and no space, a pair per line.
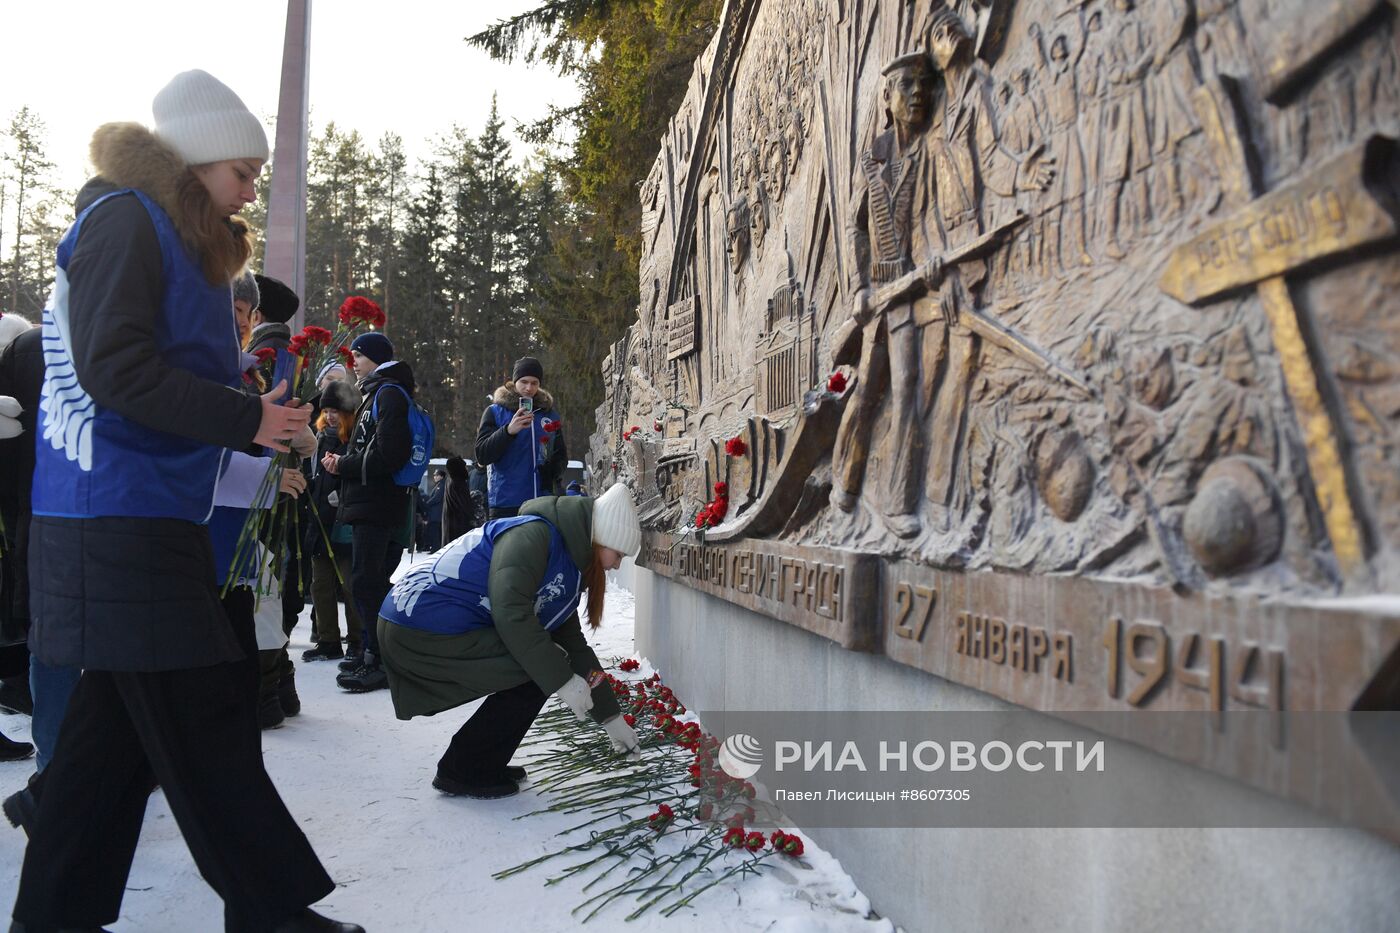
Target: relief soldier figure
882,239
1127,150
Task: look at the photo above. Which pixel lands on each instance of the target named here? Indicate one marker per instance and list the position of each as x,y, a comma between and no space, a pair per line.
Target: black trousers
374,556
195,732
481,749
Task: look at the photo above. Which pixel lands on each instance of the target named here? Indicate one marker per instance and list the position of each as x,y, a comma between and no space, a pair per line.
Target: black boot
270,714
325,651
491,789
308,921
22,806
354,657
10,750
15,696
287,695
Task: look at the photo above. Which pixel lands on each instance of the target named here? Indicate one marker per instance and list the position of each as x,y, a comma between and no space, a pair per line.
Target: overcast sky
375,66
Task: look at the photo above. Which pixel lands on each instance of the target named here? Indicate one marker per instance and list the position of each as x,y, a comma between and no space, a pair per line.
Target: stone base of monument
723,657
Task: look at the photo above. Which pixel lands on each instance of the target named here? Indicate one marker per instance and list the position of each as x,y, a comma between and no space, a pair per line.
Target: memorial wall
1051,348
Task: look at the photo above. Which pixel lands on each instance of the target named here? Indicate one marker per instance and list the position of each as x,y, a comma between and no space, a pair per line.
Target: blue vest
514,479
225,528
91,462
449,595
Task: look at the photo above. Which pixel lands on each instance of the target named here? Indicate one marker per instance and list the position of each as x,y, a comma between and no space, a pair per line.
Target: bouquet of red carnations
278,527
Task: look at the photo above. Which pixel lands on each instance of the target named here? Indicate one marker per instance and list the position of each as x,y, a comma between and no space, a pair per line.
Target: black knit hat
277,303
527,366
340,395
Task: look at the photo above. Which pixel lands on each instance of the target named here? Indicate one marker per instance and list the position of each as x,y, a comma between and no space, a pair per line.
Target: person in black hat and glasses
520,441
378,510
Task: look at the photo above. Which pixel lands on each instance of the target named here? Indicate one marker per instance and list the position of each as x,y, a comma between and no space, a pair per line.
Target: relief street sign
1347,203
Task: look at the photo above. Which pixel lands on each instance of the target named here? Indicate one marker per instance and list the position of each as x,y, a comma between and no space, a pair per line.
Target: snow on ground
407,858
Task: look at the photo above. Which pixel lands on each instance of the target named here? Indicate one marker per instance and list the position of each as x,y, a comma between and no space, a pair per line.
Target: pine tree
29,169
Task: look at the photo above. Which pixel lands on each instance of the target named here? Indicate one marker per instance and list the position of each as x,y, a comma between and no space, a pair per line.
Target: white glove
9,415
624,738
304,443
576,696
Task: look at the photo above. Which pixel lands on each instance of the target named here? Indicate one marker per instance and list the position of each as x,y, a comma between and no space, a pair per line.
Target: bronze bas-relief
1112,291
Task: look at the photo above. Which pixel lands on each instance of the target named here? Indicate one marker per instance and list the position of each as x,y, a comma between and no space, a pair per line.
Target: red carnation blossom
718,509
551,426
705,811
265,355
661,817
314,334
631,664
836,383
754,841
734,836
721,489
630,720
347,358
787,844
736,447
357,310
298,345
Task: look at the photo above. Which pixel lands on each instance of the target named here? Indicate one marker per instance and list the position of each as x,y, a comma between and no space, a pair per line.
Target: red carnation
314,334
631,664
787,844
722,489
736,447
346,357
754,841
836,383
718,509
661,817
705,811
734,836
551,426
298,345
357,310
630,720
265,355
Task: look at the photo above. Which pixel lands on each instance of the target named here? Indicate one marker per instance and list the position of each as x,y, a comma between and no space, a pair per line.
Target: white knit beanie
615,522
199,117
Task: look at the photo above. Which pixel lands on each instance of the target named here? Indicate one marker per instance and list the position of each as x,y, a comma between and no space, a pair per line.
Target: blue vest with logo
91,462
515,478
450,594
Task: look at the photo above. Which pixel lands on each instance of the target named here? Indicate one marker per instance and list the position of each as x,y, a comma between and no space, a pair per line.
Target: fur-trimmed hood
128,155
507,397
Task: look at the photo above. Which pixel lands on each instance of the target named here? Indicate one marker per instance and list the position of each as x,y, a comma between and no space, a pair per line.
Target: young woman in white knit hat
140,394
489,617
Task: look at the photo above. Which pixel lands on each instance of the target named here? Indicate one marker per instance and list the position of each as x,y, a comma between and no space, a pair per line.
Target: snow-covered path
406,858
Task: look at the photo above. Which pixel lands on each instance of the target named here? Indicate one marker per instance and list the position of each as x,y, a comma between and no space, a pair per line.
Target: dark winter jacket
22,377
274,336
522,466
429,672
323,483
430,506
379,447
458,515
125,593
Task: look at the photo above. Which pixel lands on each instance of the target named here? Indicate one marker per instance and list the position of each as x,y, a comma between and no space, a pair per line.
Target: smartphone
527,404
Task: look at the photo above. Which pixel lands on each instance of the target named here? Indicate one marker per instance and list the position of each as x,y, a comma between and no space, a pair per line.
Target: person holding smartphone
520,441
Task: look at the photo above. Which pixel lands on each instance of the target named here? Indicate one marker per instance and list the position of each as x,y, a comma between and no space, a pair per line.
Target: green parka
430,672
